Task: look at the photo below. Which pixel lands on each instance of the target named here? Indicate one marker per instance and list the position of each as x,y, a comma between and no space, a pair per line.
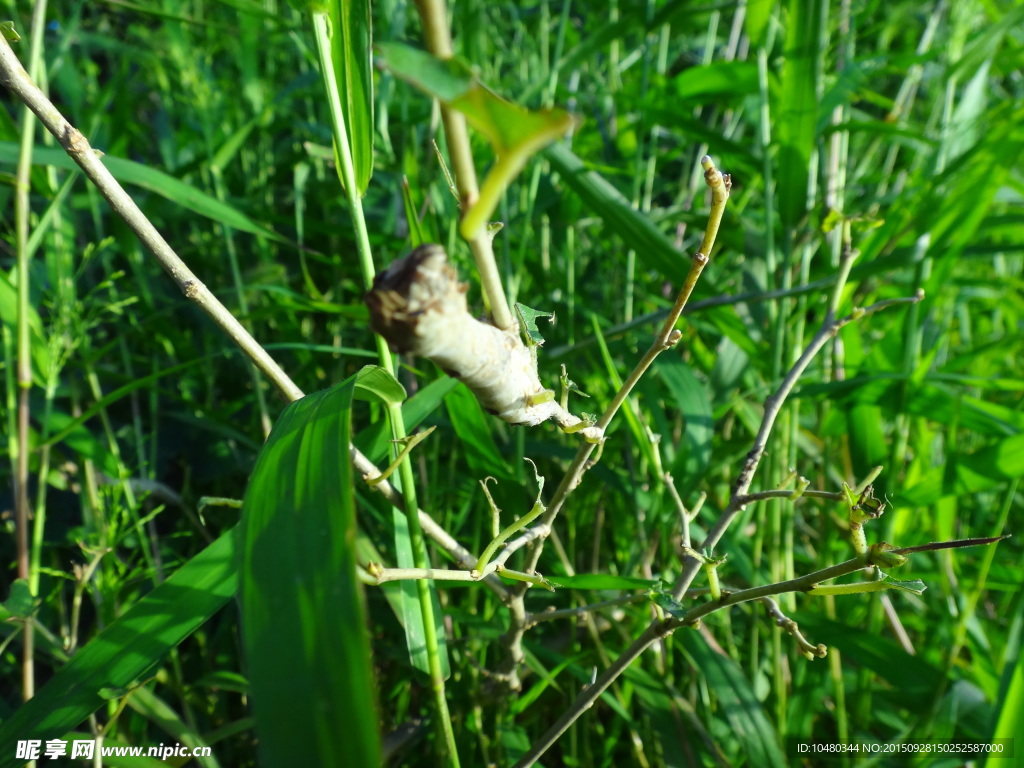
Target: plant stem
14,77
424,588
434,17
665,339
22,210
662,628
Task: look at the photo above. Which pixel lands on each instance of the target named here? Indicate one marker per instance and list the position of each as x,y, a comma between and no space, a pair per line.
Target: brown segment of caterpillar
419,306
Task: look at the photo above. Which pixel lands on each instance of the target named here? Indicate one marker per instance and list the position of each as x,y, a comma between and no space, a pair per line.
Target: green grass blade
303,617
1009,711
152,180
127,649
751,728
651,244
796,113
351,47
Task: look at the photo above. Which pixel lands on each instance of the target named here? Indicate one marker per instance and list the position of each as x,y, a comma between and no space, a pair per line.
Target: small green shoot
528,323
515,134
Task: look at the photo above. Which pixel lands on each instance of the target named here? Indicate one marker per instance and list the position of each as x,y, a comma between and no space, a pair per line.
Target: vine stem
424,588
661,628
434,16
666,338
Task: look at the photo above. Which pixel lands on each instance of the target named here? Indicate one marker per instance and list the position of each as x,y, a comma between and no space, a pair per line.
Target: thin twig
772,407
14,77
534,619
720,185
662,628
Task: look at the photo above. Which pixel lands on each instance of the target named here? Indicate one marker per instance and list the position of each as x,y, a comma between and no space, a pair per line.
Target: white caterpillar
419,306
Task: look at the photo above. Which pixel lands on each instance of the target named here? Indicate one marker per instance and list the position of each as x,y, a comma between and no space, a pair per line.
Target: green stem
22,210
424,588
434,17
518,525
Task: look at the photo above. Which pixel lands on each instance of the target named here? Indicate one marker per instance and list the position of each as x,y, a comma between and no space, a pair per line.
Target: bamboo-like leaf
1009,711
303,624
127,649
796,112
351,54
651,244
152,180
749,724
759,13
732,79
694,404
376,385
515,133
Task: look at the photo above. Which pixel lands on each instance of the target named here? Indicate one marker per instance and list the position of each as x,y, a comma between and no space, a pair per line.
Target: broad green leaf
303,619
474,432
515,134
20,603
375,384
730,79
694,404
351,55
528,322
913,678
969,473
127,649
759,13
444,79
749,724
795,115
152,180
1009,712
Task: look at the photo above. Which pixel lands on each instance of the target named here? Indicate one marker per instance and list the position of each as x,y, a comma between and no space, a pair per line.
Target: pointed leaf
515,133
303,619
127,649
528,322
351,55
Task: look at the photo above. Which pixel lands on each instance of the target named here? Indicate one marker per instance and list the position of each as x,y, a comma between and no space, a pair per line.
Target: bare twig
534,619
720,185
661,628
14,77
772,407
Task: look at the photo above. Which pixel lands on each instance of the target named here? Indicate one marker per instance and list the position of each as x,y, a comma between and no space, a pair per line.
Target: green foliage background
905,116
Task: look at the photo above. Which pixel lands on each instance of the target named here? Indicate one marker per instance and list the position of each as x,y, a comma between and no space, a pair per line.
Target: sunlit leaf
528,322
303,619
515,133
